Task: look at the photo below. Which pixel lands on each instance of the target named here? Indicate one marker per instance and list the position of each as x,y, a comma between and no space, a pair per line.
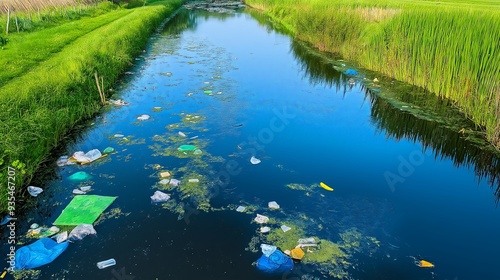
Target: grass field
49,91
450,47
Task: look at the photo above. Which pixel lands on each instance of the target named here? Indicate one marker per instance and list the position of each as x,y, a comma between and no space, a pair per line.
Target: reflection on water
402,111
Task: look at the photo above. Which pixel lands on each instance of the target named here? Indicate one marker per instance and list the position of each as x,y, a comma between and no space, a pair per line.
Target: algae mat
84,209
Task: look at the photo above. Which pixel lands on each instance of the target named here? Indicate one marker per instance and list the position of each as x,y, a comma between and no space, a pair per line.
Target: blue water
415,197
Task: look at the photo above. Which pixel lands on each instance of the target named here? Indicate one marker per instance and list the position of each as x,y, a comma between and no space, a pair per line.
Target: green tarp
186,148
84,209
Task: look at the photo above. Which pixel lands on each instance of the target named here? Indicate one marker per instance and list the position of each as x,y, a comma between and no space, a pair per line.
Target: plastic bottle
106,263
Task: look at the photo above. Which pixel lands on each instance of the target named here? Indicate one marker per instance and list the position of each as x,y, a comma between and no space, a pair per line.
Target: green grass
450,48
57,90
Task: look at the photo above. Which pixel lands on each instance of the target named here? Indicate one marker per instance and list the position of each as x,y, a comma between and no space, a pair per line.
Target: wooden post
17,24
39,17
101,94
8,21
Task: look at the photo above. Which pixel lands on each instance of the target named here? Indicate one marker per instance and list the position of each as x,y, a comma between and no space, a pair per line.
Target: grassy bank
450,47
56,91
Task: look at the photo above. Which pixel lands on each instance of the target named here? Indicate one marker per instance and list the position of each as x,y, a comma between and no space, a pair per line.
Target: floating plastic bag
254,160
164,181
62,160
285,228
351,72
159,196
261,219
77,191
265,229
61,237
80,176
39,253
197,152
80,157
181,134
85,189
277,262
81,231
118,135
34,191
93,155
241,208
273,205
267,249
143,117
5,220
174,182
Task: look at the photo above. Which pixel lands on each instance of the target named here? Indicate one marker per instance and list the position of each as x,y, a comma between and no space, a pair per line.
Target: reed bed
37,5
450,48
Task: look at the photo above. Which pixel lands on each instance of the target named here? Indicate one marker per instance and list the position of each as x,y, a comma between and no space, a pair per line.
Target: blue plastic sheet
277,262
41,252
351,72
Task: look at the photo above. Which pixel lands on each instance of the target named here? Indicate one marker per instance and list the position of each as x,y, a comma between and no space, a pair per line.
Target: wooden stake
101,94
8,21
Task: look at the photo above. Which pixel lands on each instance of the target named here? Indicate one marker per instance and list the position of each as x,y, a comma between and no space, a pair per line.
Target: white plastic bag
80,157
159,196
267,249
34,191
261,219
61,237
80,231
93,155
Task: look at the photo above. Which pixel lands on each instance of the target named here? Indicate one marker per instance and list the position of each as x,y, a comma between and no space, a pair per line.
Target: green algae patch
113,213
190,119
299,187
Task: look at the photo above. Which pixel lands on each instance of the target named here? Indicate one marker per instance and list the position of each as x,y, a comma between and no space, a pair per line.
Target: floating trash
207,92
106,263
81,231
77,191
108,150
197,152
62,161
267,249
39,253
285,228
261,219
424,264
165,174
143,117
159,196
186,148
273,205
86,188
61,237
164,181
325,186
265,229
297,253
34,191
254,160
241,208
119,102
34,226
174,182
375,80
80,176
181,134
193,180
118,135
309,240
351,72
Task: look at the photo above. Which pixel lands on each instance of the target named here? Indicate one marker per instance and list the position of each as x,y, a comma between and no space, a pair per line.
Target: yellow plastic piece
297,254
325,186
423,263
3,274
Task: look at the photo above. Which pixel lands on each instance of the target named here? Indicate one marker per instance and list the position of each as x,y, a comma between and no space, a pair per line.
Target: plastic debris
85,189
375,80
309,240
34,191
174,182
277,262
39,253
181,134
267,249
120,102
425,264
194,137
273,205
108,150
285,228
106,263
81,231
261,219
241,208
118,135
254,160
34,225
61,237
351,81
186,148
62,161
265,229
93,155
159,196
165,174
297,253
40,232
80,157
5,220
77,191
143,117
193,180
325,186
351,72
209,92
84,209
80,176
164,181
197,152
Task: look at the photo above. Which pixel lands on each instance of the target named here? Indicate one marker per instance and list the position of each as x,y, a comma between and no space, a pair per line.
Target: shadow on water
406,112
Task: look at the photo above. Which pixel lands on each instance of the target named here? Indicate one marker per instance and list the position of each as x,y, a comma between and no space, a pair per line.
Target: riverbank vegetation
450,48
47,82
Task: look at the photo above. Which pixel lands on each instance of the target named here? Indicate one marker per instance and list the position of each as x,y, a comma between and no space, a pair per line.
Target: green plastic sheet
84,209
186,148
